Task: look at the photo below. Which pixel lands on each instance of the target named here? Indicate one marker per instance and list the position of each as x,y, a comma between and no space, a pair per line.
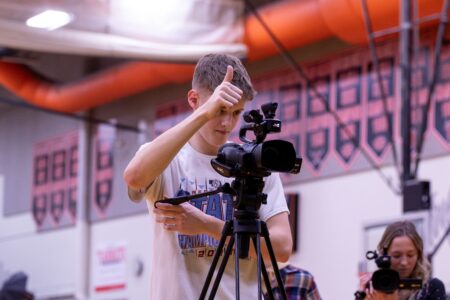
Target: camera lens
276,155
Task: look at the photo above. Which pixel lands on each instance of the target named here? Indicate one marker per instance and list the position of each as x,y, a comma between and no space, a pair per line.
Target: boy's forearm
280,250
280,239
149,163
281,242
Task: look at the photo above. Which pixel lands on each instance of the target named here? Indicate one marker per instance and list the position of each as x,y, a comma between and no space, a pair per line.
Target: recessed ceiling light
50,19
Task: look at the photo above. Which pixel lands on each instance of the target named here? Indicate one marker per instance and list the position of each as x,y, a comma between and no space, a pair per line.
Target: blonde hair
407,228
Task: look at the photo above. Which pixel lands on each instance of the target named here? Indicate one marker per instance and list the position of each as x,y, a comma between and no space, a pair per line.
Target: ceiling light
50,19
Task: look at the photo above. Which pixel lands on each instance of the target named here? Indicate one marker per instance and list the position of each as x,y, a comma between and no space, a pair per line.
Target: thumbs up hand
224,97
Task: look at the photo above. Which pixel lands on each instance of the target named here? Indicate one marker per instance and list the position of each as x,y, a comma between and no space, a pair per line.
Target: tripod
244,226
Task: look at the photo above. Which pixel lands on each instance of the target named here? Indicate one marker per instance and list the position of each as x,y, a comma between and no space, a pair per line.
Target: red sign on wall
103,154
54,186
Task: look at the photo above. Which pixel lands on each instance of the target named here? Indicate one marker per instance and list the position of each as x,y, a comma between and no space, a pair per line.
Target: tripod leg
259,259
264,272
265,233
223,264
236,264
225,232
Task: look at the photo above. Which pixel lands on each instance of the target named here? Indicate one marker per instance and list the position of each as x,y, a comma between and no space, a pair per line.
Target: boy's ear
193,98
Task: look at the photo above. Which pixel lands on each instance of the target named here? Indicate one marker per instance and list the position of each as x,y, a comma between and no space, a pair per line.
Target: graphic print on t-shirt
218,205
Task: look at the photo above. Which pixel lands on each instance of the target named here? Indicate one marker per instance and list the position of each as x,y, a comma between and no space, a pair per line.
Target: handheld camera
386,279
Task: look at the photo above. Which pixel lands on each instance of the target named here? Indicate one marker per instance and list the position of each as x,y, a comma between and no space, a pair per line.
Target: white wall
333,213
134,233
48,258
438,172
53,259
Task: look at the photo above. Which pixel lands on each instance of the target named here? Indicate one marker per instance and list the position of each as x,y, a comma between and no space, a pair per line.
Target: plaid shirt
299,285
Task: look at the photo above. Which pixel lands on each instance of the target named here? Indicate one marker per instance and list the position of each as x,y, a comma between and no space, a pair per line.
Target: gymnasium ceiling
103,33
175,30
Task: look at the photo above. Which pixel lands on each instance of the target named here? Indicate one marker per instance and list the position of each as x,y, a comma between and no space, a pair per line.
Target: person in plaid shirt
298,283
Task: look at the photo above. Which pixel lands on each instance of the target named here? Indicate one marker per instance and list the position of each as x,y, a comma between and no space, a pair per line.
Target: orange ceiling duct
345,18
91,91
295,23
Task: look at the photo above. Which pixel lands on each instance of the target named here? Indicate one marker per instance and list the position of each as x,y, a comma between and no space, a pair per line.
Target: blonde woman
405,247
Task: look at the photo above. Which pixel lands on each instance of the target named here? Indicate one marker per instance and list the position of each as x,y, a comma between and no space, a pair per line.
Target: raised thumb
229,75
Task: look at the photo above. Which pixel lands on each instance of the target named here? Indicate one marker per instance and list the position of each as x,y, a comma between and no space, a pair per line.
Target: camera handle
244,225
226,188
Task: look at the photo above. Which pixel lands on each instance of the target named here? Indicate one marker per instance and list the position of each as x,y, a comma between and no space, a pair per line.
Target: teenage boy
178,162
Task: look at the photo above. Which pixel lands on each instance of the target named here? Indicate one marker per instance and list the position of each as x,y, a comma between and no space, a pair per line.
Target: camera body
256,157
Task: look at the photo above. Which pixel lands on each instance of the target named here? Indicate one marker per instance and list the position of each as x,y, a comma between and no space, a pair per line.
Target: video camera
385,279
255,157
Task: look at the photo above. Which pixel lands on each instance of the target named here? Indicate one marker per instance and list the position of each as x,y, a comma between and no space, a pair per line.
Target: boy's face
216,132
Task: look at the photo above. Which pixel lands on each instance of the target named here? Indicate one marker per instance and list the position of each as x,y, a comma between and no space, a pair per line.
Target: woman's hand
364,280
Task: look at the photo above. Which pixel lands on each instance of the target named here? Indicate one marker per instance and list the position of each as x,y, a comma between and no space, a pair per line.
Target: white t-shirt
180,263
